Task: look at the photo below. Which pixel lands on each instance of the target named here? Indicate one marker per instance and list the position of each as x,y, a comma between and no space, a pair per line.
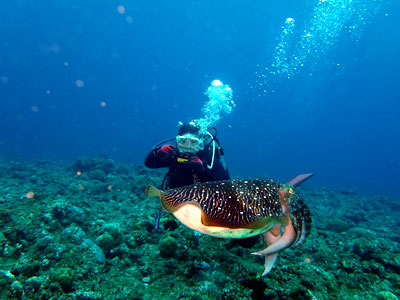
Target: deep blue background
152,65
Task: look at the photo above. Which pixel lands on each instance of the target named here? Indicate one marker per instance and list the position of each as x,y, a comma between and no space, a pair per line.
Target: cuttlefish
238,209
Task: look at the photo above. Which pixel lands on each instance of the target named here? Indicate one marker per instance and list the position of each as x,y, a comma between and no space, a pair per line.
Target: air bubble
329,23
219,100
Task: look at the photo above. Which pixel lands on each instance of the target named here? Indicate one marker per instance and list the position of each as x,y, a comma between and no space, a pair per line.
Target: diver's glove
164,151
197,164
192,160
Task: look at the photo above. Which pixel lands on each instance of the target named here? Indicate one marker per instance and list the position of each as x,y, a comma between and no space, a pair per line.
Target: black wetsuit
186,168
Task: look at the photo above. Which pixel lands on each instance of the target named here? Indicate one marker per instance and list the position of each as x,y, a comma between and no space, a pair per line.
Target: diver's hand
165,151
192,160
196,163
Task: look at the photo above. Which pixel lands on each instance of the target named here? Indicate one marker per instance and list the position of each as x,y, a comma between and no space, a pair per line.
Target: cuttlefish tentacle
274,240
277,244
280,243
269,238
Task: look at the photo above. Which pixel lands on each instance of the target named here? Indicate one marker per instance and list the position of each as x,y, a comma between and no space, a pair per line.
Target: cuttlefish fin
152,191
276,243
170,202
299,179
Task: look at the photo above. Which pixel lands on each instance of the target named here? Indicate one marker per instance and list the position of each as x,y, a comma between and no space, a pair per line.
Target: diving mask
189,143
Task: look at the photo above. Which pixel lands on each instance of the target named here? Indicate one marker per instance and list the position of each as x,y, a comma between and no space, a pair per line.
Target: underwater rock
99,189
44,241
337,225
114,229
122,170
365,248
68,214
146,279
3,241
73,234
384,295
8,250
356,232
64,277
33,284
110,238
33,179
168,247
99,175
141,181
76,214
356,216
89,249
95,252
393,265
6,278
26,266
147,225
106,242
16,289
120,251
87,296
99,162
170,225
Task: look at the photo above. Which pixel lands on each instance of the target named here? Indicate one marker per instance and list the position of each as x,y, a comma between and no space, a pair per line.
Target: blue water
114,77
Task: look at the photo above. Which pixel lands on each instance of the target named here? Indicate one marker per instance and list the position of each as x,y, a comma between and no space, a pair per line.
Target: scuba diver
195,158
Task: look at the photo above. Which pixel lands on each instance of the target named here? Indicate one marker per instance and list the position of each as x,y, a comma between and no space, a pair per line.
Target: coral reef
86,232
